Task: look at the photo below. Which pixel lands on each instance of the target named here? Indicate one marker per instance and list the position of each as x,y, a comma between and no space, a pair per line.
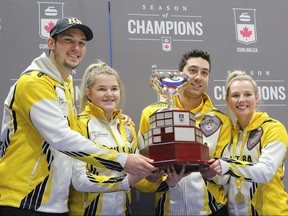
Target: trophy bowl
173,138
168,83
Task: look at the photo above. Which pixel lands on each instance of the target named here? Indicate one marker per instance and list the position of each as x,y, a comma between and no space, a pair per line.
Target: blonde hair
90,75
239,75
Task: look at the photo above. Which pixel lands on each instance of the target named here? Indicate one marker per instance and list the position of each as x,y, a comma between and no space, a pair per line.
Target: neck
189,103
64,71
108,115
244,122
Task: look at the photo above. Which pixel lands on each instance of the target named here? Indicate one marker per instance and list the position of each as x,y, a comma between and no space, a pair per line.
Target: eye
192,71
68,40
82,43
235,95
101,89
205,73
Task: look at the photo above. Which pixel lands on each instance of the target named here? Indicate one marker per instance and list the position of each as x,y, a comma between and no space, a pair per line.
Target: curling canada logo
165,24
49,13
245,28
245,25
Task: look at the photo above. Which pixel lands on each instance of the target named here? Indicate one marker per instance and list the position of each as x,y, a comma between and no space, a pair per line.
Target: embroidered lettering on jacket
210,124
93,134
254,138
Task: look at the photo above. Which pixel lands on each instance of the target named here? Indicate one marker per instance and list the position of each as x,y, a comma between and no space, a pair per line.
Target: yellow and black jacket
192,195
112,199
256,167
37,143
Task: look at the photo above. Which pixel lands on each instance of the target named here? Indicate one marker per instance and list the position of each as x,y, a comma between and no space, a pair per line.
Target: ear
87,93
257,97
227,99
50,43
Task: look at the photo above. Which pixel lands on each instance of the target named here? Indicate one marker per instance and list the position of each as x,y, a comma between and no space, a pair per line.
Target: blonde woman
255,168
101,121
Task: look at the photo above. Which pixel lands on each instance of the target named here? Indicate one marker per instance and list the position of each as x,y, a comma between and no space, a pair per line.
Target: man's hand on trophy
137,164
174,177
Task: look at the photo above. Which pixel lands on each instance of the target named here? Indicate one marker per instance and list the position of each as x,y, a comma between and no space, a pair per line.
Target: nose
197,76
241,97
108,93
76,46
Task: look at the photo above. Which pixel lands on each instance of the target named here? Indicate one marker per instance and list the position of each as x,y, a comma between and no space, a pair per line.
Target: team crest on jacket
209,125
92,135
254,138
129,134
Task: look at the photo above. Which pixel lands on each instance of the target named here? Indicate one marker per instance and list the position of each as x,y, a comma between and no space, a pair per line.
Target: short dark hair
194,53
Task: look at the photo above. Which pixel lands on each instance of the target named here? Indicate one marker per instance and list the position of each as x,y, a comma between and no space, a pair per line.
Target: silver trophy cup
168,83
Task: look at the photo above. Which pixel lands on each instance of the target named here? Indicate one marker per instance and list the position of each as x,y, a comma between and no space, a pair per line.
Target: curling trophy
173,138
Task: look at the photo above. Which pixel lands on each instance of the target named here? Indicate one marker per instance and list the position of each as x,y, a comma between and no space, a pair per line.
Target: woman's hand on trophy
215,165
209,172
155,176
173,177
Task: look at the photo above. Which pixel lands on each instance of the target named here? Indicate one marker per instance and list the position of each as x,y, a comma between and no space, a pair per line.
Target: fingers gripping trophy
173,138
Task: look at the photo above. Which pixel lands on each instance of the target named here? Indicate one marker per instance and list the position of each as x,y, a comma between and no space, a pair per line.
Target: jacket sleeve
45,114
85,181
271,158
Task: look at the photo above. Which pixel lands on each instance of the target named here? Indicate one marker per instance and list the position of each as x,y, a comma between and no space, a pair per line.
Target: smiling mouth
74,56
197,86
242,107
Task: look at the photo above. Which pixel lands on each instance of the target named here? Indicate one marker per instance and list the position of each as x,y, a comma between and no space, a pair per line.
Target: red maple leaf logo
245,32
166,46
49,26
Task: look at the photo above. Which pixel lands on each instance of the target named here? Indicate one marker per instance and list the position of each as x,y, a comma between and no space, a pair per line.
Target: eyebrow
107,86
194,66
72,36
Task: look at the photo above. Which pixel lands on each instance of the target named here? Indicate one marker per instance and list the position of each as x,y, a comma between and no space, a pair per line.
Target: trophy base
178,166
177,153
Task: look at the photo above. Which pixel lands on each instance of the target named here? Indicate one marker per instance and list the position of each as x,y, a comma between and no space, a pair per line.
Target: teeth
73,55
195,85
242,107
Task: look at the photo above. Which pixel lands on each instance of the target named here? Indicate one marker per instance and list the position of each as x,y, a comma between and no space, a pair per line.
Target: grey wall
262,54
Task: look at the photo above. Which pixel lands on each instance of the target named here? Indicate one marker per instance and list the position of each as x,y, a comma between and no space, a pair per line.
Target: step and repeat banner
133,35
247,35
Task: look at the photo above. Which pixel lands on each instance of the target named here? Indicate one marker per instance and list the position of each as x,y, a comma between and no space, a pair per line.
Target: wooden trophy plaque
174,139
